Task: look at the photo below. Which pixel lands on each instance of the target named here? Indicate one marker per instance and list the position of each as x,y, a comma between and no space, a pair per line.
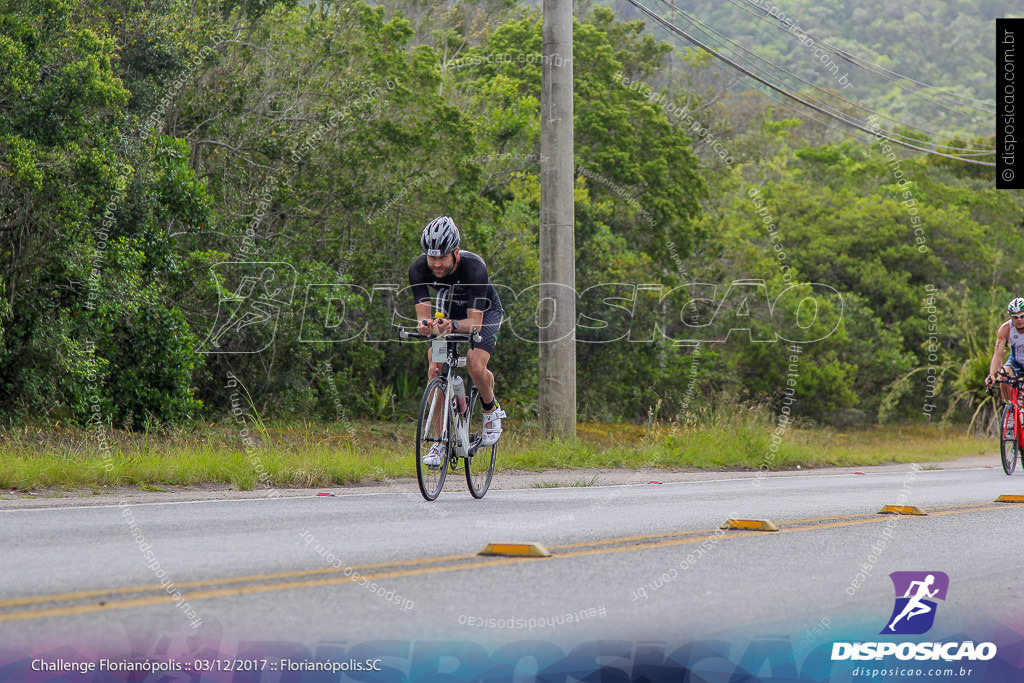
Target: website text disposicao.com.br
904,672
958,659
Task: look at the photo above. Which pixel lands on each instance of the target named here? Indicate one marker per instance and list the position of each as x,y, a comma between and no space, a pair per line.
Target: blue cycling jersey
1016,343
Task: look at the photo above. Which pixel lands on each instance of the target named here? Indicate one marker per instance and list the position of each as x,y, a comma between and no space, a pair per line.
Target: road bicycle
1011,431
454,421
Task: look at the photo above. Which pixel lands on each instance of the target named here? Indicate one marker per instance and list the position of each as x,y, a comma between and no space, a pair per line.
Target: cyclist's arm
476,283
423,312
474,320
1002,336
419,275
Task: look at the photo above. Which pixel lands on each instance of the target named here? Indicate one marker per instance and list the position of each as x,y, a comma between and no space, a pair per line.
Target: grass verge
311,455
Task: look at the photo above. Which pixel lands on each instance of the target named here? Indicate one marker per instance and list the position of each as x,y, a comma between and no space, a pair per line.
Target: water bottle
459,391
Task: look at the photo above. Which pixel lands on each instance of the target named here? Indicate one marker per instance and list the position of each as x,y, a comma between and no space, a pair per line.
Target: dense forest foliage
197,195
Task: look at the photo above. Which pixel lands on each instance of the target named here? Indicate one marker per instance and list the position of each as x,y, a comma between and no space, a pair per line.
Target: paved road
638,562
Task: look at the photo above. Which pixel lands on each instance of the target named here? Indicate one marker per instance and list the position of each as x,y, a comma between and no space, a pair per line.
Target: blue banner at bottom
991,657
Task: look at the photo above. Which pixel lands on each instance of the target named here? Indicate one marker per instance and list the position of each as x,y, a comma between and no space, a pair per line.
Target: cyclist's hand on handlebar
444,325
425,327
990,381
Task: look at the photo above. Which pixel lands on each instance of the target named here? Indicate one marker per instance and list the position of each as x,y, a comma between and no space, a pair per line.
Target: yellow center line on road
851,520
871,516
692,532
973,508
80,595
627,539
697,532
447,563
246,590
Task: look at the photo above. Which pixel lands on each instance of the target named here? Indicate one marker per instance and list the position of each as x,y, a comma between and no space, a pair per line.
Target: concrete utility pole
557,312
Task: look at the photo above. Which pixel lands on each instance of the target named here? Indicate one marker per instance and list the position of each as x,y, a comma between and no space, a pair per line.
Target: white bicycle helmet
1016,306
441,237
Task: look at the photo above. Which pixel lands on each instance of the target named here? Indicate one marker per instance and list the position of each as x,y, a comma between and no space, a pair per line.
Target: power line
711,32
892,76
836,115
737,49
962,152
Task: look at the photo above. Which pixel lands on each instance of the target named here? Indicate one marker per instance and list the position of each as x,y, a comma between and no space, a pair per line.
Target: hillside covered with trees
940,52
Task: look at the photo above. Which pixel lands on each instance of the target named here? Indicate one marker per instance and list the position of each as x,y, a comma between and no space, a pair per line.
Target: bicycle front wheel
480,463
1008,438
432,428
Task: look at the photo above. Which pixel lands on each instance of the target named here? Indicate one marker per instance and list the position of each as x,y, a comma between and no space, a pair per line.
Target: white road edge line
389,493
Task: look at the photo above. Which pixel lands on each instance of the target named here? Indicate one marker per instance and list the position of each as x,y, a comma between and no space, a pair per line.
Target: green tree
86,240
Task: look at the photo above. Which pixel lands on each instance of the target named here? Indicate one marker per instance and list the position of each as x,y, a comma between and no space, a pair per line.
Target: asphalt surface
636,561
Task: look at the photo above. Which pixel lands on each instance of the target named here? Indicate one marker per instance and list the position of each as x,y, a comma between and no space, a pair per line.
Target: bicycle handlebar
1012,381
451,336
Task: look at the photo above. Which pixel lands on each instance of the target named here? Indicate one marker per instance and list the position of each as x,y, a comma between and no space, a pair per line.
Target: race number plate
439,350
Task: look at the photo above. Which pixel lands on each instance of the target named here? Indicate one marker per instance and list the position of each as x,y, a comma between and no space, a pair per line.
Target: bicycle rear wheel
1008,438
432,428
480,463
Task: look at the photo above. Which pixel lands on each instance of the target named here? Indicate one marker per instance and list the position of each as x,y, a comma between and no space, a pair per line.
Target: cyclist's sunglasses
1018,316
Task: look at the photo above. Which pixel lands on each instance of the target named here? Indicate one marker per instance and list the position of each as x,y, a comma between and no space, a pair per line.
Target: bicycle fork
461,431
459,425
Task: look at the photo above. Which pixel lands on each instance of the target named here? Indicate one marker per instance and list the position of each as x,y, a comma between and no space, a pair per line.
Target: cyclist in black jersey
1010,334
469,301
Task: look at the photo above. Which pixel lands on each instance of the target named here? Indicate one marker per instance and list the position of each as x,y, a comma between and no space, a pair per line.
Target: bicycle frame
1015,400
446,353
439,421
444,349
1011,414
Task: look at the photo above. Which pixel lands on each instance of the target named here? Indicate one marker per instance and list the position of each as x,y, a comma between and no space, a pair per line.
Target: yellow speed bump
901,510
1008,498
516,550
750,524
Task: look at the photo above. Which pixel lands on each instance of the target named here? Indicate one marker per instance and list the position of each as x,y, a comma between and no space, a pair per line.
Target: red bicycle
1011,431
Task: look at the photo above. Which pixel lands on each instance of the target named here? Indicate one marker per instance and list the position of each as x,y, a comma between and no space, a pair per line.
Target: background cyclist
1011,333
467,296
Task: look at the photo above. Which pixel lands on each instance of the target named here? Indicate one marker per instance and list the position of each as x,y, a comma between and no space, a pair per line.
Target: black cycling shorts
1017,370
489,330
